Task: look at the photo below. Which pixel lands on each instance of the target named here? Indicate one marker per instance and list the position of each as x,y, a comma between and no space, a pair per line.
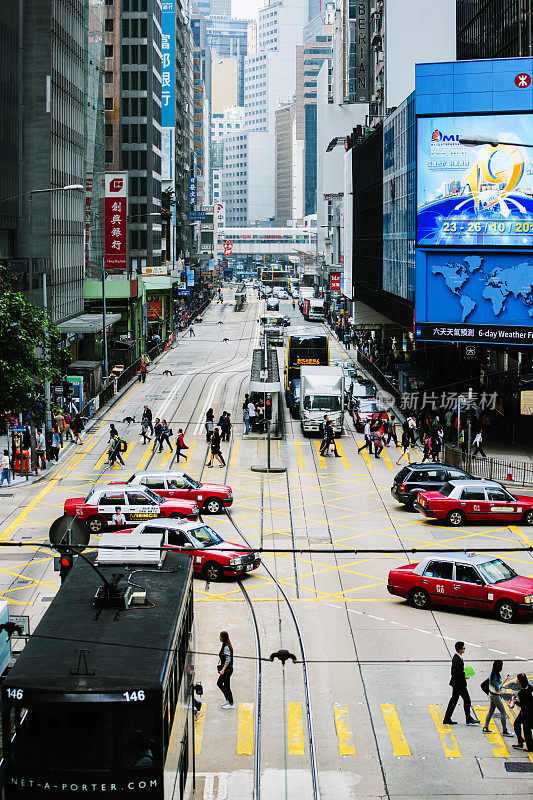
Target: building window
109,104
109,51
109,129
108,156
108,76
109,2
109,24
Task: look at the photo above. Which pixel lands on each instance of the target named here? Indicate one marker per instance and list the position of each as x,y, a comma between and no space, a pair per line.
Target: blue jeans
5,476
247,425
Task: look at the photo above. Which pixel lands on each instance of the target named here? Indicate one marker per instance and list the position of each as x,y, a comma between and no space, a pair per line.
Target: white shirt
39,440
119,519
367,429
251,409
4,462
478,440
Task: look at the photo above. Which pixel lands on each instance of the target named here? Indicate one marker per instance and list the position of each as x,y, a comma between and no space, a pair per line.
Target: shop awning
88,323
154,283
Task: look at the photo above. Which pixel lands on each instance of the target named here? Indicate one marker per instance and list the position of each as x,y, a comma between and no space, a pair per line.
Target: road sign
58,389
24,623
17,429
196,216
193,191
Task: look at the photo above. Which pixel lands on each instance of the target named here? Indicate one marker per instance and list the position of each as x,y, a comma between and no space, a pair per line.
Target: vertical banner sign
348,224
116,210
335,281
193,191
361,46
168,87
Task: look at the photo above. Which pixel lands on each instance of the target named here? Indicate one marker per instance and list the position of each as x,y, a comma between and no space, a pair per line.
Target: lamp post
71,187
475,141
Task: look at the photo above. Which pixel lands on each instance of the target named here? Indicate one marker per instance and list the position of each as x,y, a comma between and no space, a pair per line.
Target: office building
201,106
10,130
230,121
94,138
494,29
228,39
283,160
184,158
225,84
214,8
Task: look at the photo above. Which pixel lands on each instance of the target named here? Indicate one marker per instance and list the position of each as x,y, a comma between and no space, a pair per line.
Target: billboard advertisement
116,211
475,196
168,88
484,296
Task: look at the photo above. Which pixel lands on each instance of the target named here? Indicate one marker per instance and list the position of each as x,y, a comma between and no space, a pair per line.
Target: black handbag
485,686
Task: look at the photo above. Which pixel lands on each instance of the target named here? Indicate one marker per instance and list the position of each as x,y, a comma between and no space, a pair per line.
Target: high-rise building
284,164
228,38
10,130
225,84
202,106
214,8
184,158
494,29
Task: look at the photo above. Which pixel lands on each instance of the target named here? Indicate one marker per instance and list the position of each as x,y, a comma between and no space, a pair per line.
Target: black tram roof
126,648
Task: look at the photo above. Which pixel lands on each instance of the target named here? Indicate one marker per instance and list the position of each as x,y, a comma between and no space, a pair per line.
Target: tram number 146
134,697
15,694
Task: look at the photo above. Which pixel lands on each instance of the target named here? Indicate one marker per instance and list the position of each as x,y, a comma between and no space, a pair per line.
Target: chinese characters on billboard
335,281
116,210
475,195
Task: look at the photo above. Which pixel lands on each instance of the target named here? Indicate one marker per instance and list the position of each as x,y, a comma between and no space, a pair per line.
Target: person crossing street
459,688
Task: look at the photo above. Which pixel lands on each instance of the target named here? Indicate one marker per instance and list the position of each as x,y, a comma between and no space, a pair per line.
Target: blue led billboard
475,196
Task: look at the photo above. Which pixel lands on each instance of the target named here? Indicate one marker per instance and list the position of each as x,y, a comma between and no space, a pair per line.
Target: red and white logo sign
523,80
116,210
335,281
228,247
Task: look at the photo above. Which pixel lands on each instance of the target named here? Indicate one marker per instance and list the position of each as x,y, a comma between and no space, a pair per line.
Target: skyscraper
214,8
494,29
228,38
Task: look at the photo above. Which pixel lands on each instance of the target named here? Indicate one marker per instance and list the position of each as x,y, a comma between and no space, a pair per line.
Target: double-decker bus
306,347
98,701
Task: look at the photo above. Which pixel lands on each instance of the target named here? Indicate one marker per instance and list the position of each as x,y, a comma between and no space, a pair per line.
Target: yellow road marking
386,458
499,750
145,456
321,460
31,505
521,535
449,742
344,734
234,455
366,456
166,458
89,447
344,460
394,727
245,730
101,461
512,716
295,730
299,454
199,723
190,451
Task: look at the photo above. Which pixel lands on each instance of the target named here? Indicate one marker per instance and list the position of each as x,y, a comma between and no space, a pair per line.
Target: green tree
29,351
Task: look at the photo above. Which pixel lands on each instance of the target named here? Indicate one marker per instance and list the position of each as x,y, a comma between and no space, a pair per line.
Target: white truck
321,392
317,309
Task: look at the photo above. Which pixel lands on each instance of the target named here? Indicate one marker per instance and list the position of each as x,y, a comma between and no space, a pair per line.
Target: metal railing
519,473
378,376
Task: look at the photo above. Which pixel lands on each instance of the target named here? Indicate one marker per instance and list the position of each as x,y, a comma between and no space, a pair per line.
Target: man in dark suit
459,688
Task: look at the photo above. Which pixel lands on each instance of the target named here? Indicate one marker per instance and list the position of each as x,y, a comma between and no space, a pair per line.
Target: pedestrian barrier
519,473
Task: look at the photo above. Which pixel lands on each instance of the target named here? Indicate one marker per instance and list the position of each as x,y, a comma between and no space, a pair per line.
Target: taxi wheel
95,524
212,506
212,571
455,518
419,598
506,611
528,518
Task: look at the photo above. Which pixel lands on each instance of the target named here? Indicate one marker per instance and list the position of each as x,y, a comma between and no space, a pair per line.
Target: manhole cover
518,766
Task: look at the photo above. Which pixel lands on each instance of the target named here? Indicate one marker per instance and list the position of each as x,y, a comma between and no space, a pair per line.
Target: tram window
25,744
80,738
137,738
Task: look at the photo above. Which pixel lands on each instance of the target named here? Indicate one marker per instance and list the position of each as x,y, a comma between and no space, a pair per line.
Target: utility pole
104,320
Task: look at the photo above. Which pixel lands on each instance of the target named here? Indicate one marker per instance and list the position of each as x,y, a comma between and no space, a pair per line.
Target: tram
98,701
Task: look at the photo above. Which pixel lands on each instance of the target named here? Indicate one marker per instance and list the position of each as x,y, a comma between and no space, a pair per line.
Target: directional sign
18,429
24,623
196,216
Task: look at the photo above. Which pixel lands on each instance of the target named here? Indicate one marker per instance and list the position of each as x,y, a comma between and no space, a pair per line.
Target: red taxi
122,505
484,501
212,557
471,581
367,410
210,497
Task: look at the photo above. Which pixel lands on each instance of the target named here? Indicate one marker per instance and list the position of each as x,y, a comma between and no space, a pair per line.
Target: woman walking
180,445
495,697
215,449
406,444
166,433
225,669
209,424
76,427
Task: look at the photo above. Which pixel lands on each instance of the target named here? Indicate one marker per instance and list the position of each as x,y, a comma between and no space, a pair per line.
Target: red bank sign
116,210
335,281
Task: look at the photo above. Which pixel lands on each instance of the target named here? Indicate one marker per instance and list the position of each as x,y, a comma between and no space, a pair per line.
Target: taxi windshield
496,571
206,535
89,496
447,489
152,495
194,484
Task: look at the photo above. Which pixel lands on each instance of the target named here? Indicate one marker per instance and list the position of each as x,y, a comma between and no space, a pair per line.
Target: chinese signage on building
116,210
335,281
359,68
193,191
168,88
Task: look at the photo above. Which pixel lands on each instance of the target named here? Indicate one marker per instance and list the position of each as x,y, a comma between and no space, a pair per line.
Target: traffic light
66,562
268,407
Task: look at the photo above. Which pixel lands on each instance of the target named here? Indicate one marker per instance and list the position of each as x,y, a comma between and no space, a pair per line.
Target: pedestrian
448,423
391,434
113,451
251,415
158,430
347,340
495,684
411,422
436,446
67,423
40,449
142,372
524,720
5,475
225,669
368,438
246,419
225,426
477,445
426,447
77,426
147,415
191,331
215,449
378,442
112,430
330,438
209,424
145,425
166,433
260,416
54,447
459,688
180,445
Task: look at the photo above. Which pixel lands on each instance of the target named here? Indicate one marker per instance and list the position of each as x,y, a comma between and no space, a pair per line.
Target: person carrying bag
493,687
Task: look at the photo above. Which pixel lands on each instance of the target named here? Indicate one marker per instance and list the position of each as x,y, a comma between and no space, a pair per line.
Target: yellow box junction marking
299,454
499,750
199,723
321,460
344,461
234,460
245,730
295,730
449,742
386,458
31,505
366,456
521,535
190,451
394,727
344,733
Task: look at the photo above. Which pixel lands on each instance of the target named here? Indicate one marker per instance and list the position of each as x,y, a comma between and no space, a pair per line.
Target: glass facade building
10,125
214,8
494,29
94,138
228,38
399,200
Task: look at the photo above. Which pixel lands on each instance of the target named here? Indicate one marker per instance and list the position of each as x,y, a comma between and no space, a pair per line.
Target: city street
378,669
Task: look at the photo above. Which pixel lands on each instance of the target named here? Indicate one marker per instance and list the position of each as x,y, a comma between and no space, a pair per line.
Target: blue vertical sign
193,191
168,66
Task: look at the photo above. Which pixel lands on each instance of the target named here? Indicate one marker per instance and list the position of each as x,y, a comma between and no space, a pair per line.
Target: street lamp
71,187
475,141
